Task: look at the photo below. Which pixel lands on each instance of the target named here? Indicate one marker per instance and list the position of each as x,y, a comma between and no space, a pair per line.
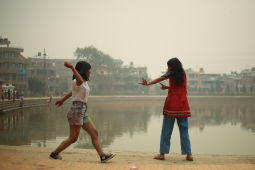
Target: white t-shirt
80,93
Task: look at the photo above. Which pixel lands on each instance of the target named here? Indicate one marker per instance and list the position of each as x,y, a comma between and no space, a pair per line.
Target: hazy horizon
216,35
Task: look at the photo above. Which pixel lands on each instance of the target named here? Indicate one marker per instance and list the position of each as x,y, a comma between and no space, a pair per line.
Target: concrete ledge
162,98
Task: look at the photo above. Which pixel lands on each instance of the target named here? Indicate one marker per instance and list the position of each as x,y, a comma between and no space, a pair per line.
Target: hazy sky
218,35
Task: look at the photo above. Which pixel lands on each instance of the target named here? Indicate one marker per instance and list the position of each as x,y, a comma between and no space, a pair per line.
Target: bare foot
160,157
189,158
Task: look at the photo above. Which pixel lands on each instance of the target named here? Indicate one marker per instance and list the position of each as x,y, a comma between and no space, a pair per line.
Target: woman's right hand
163,87
59,103
144,82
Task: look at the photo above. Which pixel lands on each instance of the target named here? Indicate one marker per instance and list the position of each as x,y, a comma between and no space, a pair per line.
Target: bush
48,94
32,94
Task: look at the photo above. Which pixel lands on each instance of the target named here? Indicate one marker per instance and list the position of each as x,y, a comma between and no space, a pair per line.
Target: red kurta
176,104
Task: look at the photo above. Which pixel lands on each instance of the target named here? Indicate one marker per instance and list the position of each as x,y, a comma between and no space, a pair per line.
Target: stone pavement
24,163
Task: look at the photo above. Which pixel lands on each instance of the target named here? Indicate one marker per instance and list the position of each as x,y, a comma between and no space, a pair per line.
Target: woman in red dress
176,107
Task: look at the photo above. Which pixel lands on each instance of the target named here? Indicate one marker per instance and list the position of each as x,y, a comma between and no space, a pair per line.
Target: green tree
195,88
227,90
237,90
253,69
218,86
36,85
100,86
212,89
201,70
251,88
244,89
189,70
103,67
199,89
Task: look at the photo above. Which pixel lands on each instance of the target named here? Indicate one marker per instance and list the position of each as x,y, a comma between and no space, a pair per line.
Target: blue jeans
167,129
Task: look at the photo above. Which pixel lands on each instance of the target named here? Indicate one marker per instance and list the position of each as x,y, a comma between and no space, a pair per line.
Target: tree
100,87
218,86
189,70
237,90
253,69
195,88
244,89
201,70
199,89
103,67
251,88
36,85
227,90
212,89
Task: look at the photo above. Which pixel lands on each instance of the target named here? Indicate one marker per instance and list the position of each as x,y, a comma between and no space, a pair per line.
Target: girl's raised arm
77,76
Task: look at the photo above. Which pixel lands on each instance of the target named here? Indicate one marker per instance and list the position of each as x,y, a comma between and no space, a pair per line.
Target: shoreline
147,98
41,101
126,157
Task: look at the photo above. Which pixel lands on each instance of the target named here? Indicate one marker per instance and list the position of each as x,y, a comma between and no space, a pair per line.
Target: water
214,128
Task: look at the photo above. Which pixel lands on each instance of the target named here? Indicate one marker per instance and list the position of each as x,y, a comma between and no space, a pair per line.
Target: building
36,69
235,81
129,76
206,80
248,79
203,81
192,80
1,83
13,65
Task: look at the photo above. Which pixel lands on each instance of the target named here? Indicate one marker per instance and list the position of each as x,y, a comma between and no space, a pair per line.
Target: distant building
129,77
192,80
234,80
36,69
1,83
204,81
248,79
13,65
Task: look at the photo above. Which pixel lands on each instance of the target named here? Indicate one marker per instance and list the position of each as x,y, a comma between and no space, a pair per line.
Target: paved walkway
24,163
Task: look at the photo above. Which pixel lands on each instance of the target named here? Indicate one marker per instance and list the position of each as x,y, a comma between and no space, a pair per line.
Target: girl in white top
77,116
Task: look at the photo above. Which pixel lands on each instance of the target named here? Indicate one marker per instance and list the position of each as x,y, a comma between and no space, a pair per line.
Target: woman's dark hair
83,67
176,71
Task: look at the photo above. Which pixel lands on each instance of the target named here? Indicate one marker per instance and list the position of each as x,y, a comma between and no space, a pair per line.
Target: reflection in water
120,123
215,114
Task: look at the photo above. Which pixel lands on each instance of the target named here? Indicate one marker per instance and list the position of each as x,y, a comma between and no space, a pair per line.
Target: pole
44,64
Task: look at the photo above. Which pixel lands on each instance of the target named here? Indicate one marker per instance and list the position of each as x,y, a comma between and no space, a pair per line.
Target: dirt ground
126,157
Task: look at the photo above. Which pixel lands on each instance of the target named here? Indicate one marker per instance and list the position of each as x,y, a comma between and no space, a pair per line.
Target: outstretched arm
60,102
153,81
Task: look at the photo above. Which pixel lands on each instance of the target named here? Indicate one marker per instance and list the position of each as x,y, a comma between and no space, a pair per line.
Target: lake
214,128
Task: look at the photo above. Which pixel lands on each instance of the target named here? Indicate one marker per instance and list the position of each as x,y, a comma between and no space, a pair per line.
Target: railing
15,70
10,46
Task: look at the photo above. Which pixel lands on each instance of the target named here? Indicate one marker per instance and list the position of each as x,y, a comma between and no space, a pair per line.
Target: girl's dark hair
176,71
83,67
